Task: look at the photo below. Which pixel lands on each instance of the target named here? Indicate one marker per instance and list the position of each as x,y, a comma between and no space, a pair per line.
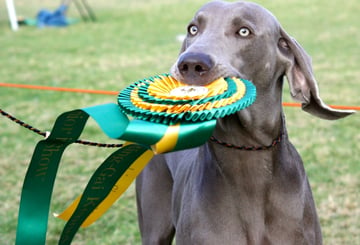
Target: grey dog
217,194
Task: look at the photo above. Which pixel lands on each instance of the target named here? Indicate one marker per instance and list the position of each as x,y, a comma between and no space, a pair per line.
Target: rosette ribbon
145,136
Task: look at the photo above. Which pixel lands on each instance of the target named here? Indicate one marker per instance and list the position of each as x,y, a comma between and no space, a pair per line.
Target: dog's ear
302,83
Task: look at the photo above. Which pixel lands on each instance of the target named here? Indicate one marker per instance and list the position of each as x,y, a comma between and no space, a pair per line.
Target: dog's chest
207,203
214,209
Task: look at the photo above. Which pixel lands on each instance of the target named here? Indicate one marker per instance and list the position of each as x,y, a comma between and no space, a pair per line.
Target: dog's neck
245,169
257,125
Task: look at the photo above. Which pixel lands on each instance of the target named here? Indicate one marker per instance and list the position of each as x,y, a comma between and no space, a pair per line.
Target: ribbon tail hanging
100,185
110,180
40,177
118,189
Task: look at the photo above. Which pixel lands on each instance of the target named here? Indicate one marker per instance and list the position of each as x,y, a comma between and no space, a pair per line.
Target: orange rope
76,90
341,107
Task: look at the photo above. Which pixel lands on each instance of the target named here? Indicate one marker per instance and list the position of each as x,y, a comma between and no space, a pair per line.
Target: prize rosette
163,99
168,116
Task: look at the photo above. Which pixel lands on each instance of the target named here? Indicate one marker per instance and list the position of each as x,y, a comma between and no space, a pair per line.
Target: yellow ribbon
165,144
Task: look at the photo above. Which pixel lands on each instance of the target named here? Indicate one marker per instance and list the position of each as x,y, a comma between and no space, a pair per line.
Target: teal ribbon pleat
39,180
194,134
116,125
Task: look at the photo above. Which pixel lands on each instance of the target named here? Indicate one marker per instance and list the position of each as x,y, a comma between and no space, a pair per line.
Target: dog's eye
193,30
244,32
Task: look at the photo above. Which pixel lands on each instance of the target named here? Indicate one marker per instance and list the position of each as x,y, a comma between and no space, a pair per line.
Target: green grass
136,39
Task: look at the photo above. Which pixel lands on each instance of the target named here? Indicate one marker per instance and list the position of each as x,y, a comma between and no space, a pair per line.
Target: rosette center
189,91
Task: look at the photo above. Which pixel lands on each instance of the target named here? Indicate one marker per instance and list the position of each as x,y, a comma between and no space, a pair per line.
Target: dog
225,192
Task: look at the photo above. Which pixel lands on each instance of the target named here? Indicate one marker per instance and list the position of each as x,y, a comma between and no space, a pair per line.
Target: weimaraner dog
247,184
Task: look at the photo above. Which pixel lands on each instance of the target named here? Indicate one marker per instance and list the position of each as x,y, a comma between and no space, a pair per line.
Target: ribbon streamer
40,177
118,189
110,180
100,185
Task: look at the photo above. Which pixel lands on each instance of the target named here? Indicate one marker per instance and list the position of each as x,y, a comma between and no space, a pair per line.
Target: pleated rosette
163,99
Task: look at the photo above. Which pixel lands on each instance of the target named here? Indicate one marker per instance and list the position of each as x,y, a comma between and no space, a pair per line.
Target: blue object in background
56,18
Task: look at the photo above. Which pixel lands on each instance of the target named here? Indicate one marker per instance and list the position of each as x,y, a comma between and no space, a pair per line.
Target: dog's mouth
198,69
195,83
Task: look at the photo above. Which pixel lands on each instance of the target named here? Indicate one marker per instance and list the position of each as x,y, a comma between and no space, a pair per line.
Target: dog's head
245,40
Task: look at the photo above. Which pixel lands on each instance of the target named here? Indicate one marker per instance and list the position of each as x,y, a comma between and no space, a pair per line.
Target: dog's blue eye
244,32
193,30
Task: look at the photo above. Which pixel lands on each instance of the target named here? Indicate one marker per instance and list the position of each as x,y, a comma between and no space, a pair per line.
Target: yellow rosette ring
163,99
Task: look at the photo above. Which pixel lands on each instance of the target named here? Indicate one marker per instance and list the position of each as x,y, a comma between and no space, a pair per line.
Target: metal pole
12,15
89,10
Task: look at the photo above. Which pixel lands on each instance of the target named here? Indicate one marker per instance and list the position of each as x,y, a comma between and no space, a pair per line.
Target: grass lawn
136,39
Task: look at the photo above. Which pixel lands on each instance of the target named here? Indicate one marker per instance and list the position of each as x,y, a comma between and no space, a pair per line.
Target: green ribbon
41,174
40,177
99,186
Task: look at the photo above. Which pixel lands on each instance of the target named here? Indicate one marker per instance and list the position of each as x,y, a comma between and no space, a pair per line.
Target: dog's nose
195,64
